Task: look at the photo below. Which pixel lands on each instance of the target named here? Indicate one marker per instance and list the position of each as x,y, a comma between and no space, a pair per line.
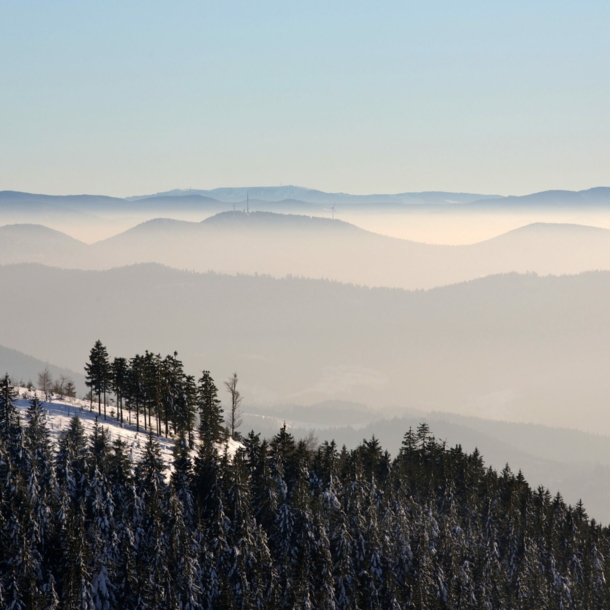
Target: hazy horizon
433,218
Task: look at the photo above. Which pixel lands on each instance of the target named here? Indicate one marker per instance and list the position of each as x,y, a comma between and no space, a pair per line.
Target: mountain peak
261,220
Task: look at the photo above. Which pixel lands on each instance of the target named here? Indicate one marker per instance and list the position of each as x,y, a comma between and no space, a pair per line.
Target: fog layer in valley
281,245
432,217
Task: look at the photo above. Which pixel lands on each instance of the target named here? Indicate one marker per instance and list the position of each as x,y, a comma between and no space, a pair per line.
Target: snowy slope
61,411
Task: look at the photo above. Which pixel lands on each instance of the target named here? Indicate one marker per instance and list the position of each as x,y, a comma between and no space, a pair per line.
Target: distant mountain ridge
590,197
593,196
274,220
93,217
288,195
303,194
513,347
315,247
22,367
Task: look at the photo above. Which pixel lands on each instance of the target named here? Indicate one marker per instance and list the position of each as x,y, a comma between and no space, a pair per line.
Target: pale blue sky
128,97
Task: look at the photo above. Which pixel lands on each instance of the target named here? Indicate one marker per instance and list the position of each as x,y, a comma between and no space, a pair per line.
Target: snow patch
61,410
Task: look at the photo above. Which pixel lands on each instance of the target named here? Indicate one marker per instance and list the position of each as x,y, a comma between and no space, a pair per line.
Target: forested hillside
512,347
281,524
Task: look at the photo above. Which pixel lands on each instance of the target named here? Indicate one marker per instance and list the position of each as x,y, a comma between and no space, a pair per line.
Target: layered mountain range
262,198
512,347
281,244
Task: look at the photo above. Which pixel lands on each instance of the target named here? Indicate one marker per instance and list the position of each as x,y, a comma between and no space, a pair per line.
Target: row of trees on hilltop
281,525
159,395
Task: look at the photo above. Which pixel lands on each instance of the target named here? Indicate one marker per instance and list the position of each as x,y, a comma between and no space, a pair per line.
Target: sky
127,98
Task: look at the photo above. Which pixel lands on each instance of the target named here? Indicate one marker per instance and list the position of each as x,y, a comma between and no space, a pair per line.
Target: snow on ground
61,410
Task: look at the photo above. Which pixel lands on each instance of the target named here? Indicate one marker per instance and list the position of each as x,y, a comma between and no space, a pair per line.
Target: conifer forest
275,524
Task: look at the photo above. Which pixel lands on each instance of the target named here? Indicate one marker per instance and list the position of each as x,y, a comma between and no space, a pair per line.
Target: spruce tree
136,390
210,411
119,379
182,561
98,374
10,422
153,568
182,480
101,539
8,413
